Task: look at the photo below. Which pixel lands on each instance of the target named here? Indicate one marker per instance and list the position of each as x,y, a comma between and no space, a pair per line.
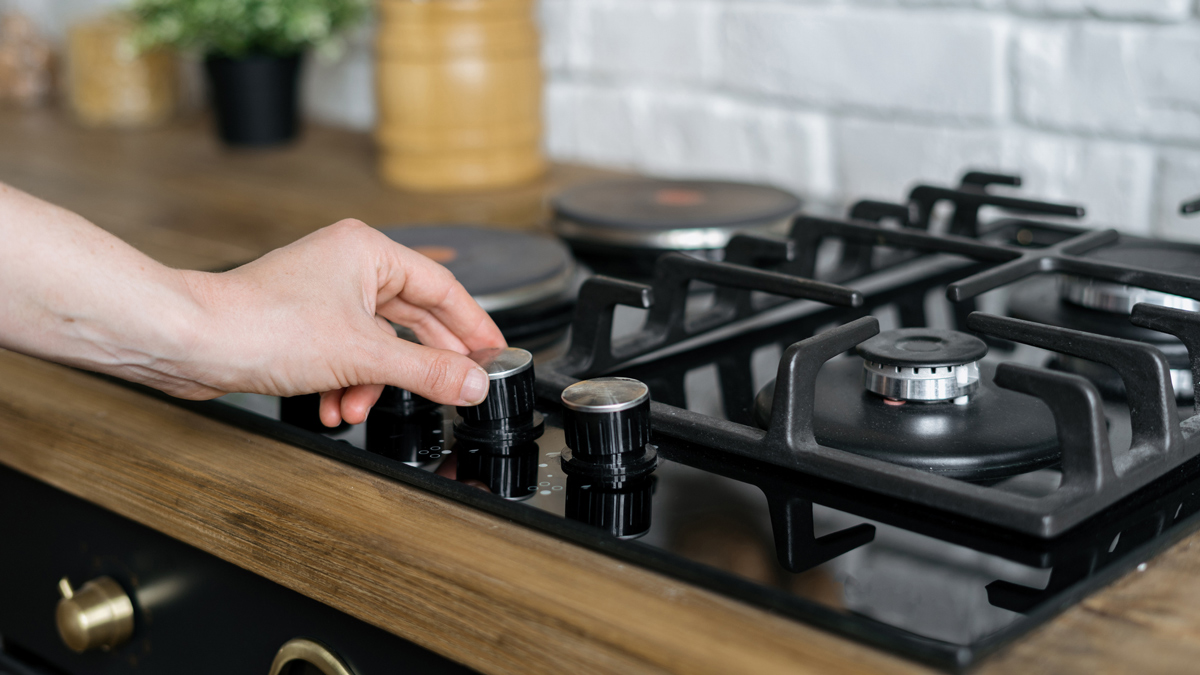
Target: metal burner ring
941,383
1181,378
1107,296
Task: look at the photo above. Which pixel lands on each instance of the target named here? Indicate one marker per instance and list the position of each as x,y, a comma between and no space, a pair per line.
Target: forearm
310,317
76,294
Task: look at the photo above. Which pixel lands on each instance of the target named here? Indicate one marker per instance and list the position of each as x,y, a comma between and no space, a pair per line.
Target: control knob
405,427
606,422
304,411
622,507
506,415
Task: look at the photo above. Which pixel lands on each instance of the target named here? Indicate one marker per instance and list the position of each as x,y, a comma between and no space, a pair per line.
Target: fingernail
475,387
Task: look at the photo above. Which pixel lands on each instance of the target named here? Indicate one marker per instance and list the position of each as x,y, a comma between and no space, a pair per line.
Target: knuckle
350,231
350,225
448,277
441,375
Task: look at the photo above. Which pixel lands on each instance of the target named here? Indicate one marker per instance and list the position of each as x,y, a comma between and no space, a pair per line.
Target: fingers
351,404
331,407
432,300
437,374
357,402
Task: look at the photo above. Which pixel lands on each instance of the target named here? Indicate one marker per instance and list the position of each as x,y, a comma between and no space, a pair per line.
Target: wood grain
181,197
1147,622
496,596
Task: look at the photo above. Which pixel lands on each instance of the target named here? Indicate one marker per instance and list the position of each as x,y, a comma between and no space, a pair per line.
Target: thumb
439,375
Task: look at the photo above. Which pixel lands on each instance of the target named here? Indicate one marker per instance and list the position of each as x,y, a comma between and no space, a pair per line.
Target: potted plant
253,51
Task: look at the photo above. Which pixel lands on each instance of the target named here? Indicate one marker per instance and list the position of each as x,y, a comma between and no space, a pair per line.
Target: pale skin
313,316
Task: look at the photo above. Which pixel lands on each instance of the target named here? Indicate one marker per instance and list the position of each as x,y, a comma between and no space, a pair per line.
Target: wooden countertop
494,595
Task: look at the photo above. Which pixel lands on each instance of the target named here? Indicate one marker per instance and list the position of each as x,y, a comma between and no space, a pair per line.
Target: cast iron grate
1091,482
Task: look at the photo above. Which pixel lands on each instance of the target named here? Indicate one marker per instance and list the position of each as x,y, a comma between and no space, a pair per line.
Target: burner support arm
1087,463
591,330
1143,368
592,348
1182,324
790,432
750,251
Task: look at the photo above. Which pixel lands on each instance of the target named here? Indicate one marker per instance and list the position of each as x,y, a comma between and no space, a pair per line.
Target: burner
1117,298
1108,296
527,283
928,404
1036,300
1110,383
614,224
922,364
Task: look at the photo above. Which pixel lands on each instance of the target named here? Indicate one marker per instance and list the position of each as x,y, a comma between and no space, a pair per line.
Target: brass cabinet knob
303,652
98,614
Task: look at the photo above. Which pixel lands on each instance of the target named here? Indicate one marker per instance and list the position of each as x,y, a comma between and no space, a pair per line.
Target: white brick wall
1094,101
935,63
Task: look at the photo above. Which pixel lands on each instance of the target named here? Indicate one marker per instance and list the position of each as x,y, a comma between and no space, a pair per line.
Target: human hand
314,316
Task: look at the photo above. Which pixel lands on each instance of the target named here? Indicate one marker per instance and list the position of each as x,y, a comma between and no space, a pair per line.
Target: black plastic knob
402,402
512,475
405,427
606,416
606,424
507,414
622,508
304,411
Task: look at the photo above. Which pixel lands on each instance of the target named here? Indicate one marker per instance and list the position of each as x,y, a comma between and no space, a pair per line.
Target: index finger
416,280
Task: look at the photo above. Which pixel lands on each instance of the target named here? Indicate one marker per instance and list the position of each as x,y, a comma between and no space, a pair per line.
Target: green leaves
237,28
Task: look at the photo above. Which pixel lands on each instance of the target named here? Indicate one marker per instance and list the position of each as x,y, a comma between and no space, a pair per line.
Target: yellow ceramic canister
459,91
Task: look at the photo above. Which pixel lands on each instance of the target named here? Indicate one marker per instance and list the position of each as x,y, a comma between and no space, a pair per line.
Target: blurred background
1092,101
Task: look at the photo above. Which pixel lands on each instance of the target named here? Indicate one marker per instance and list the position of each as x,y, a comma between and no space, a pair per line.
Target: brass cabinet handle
314,653
97,615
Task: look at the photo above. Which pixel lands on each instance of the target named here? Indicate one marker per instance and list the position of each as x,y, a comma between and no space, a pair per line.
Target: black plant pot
254,98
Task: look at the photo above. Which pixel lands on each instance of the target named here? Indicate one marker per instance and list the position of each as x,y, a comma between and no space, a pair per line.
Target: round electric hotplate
635,220
997,434
527,283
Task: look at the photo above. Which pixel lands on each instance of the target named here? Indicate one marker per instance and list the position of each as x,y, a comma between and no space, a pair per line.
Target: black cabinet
194,613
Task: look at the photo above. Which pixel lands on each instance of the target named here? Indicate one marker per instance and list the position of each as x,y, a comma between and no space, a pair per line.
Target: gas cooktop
928,434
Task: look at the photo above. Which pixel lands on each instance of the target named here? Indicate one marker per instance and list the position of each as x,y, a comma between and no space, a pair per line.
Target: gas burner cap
1108,296
922,364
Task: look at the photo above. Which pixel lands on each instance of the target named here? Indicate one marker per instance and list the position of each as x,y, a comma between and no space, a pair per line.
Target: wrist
190,337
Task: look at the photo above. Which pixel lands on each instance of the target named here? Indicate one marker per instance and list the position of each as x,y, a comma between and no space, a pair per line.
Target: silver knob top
605,395
502,362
